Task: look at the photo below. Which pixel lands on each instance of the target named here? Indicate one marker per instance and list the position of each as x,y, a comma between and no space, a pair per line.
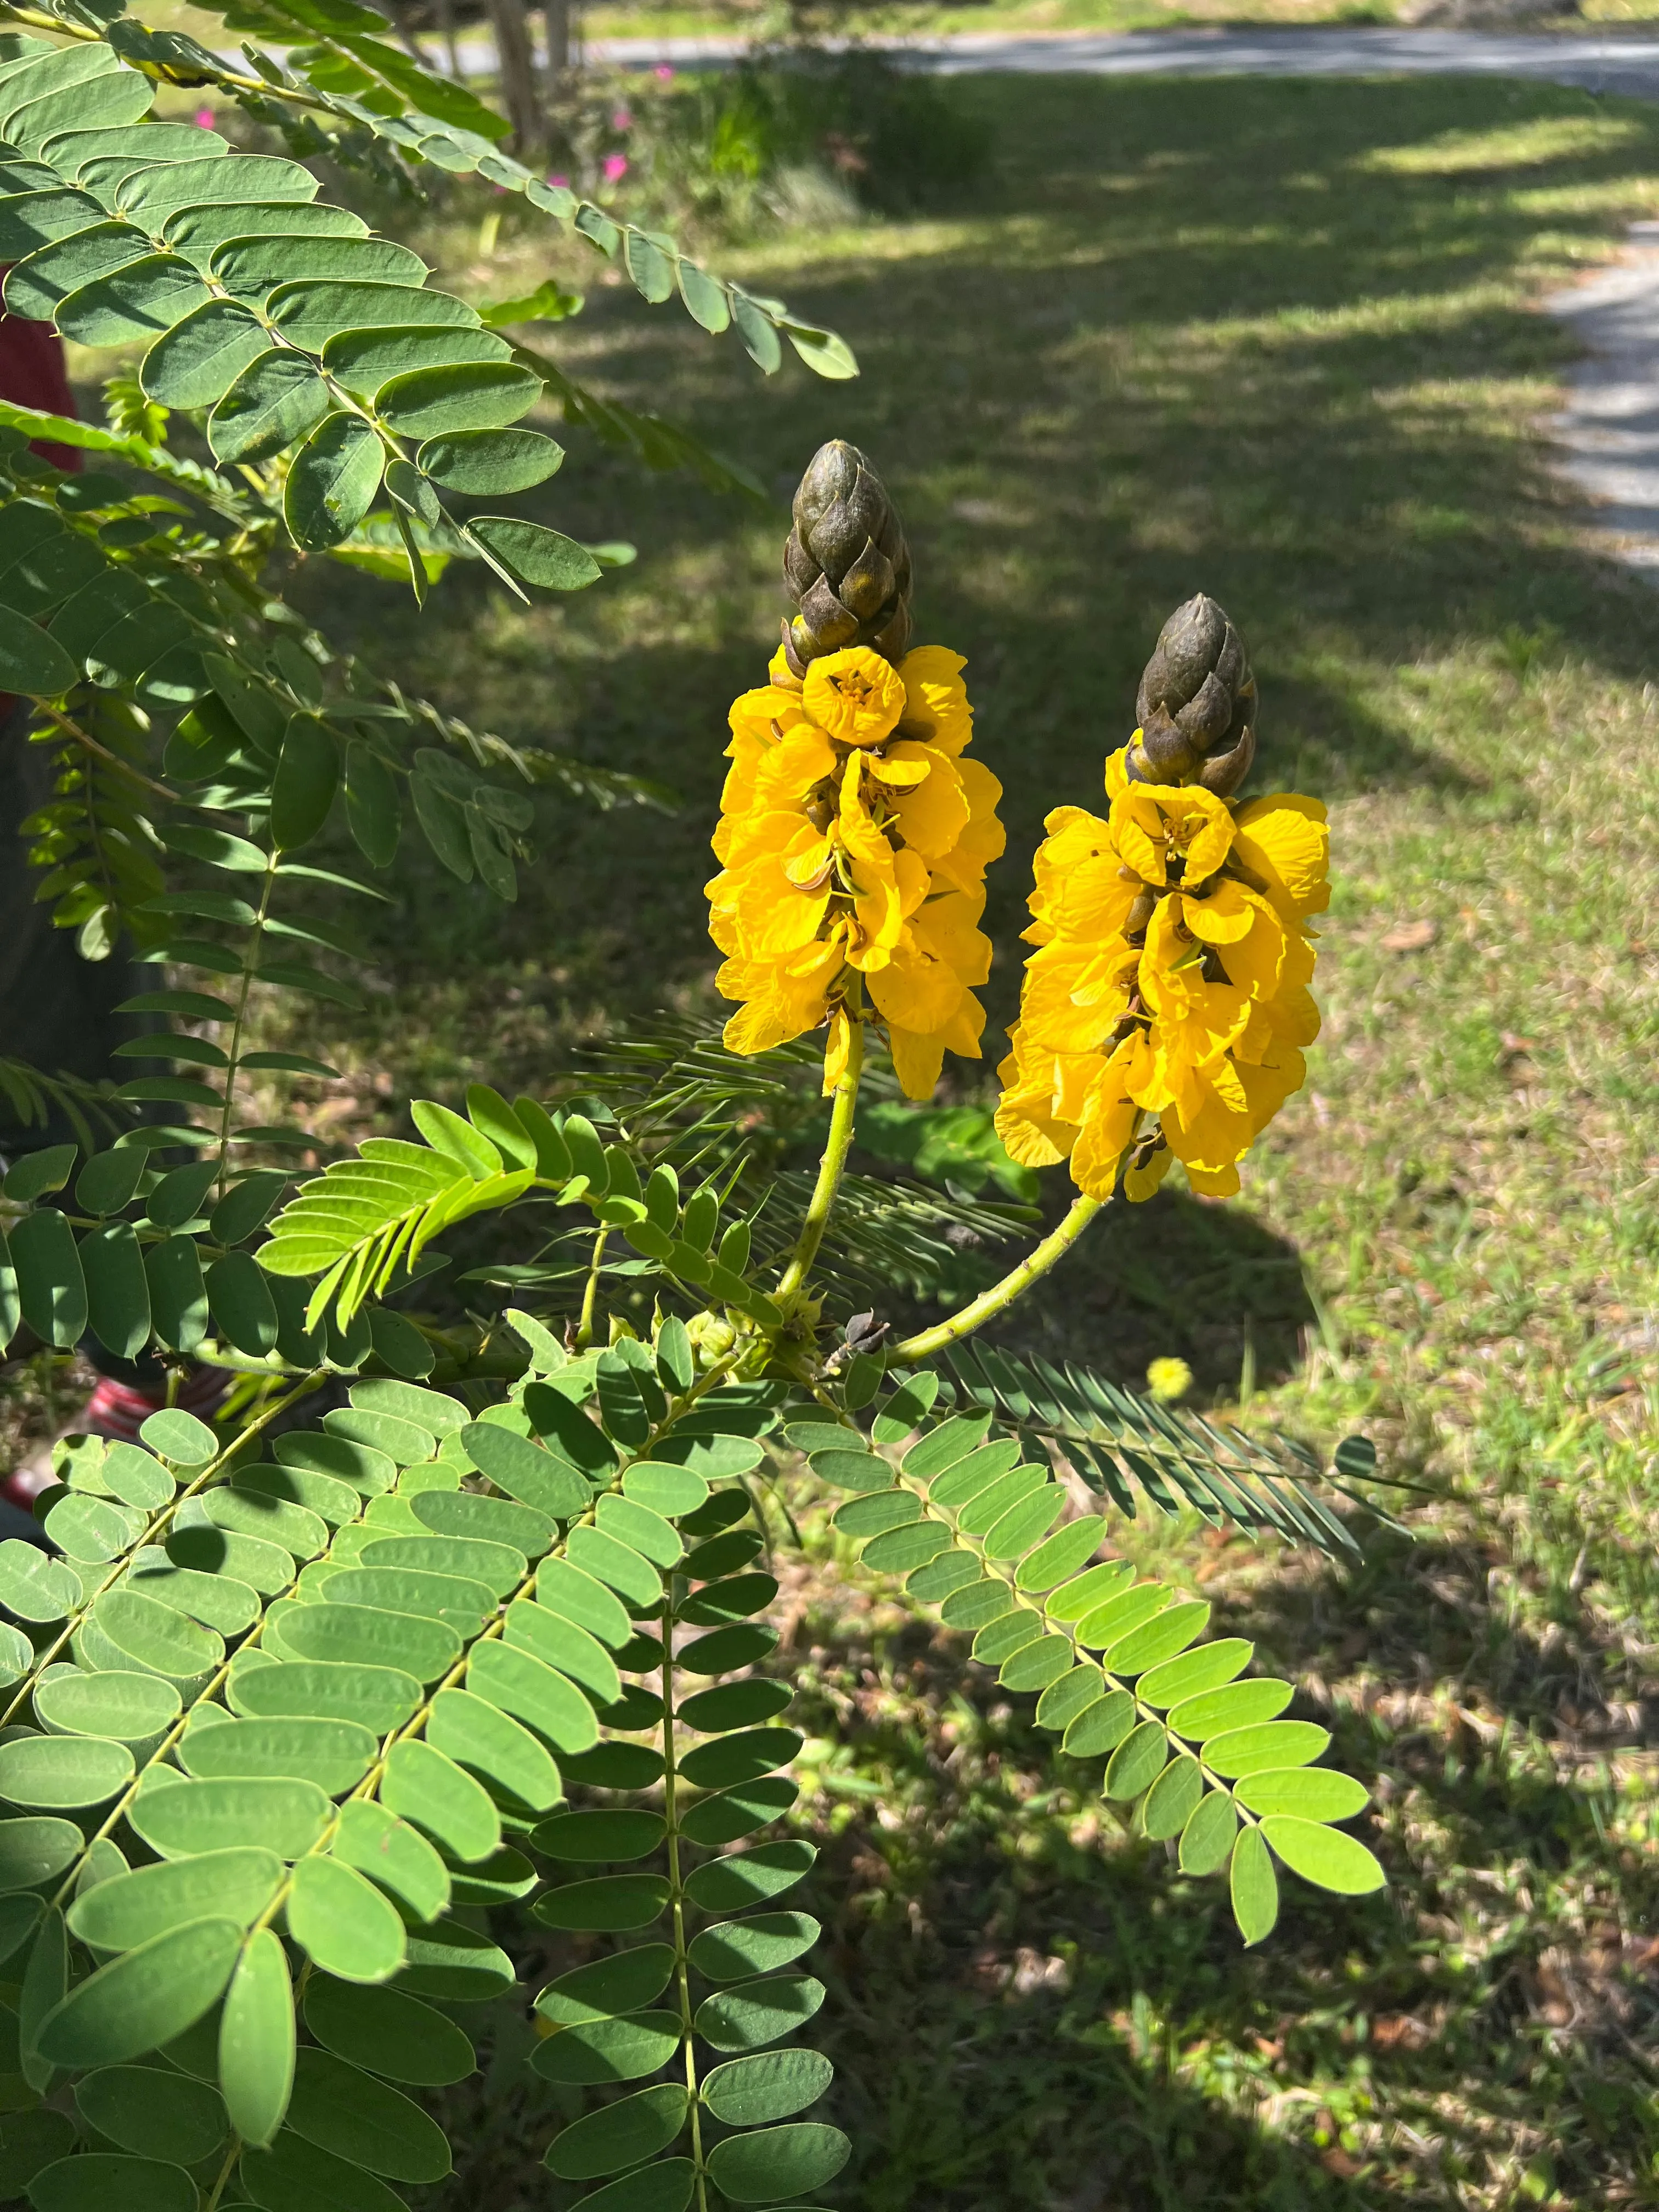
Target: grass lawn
1278,342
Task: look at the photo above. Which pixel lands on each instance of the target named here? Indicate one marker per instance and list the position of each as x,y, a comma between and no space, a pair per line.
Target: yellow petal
935,697
1140,1183
1283,841
916,1061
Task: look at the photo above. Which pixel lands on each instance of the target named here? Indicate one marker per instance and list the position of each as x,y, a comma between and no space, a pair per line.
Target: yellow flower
854,842
1170,980
856,696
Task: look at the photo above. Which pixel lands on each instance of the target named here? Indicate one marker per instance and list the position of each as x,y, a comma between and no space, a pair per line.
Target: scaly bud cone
1196,705
846,563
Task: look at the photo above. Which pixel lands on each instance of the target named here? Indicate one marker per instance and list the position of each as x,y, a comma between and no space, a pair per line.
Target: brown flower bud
1196,704
845,562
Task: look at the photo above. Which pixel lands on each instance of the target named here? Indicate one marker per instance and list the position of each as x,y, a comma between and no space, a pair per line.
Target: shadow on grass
1205,336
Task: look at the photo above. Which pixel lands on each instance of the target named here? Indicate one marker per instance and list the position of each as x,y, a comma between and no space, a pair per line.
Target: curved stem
991,1303
590,1295
831,1167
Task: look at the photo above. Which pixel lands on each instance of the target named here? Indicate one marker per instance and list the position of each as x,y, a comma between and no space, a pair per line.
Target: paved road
1600,65
1608,431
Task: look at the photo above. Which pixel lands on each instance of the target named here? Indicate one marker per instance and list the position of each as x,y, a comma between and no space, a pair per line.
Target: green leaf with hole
331,484
256,2038
620,2135
1254,1886
144,1998
275,400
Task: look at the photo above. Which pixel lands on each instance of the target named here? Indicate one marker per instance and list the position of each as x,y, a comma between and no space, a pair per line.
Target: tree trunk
446,30
521,95
556,16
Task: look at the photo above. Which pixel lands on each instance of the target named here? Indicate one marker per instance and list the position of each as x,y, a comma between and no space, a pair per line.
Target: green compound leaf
777,2162
1242,1751
296,2176
619,2135
345,1924
62,1772
105,2181
1325,1856
1137,1762
533,554
1308,1793
1254,1886
745,2092
758,1945
625,1982
489,464
154,2113
387,2033
478,1735
599,1838
754,2013
613,1903
256,2040
334,1755
143,1999
425,1787
1195,1673
1172,1797
622,2050
392,1854
1206,1841
132,1909
1100,1727
342,2110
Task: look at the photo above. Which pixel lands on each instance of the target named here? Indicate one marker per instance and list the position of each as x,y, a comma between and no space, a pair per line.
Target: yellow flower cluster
853,840
1172,979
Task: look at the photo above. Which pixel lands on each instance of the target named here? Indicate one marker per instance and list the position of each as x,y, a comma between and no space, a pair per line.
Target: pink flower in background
663,72
622,120
616,168
559,184
203,119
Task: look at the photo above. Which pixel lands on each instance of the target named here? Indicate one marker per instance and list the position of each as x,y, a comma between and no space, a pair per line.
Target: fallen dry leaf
1412,937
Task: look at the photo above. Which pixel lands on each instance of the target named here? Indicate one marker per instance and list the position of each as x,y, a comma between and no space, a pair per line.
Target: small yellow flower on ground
853,840
1166,1005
